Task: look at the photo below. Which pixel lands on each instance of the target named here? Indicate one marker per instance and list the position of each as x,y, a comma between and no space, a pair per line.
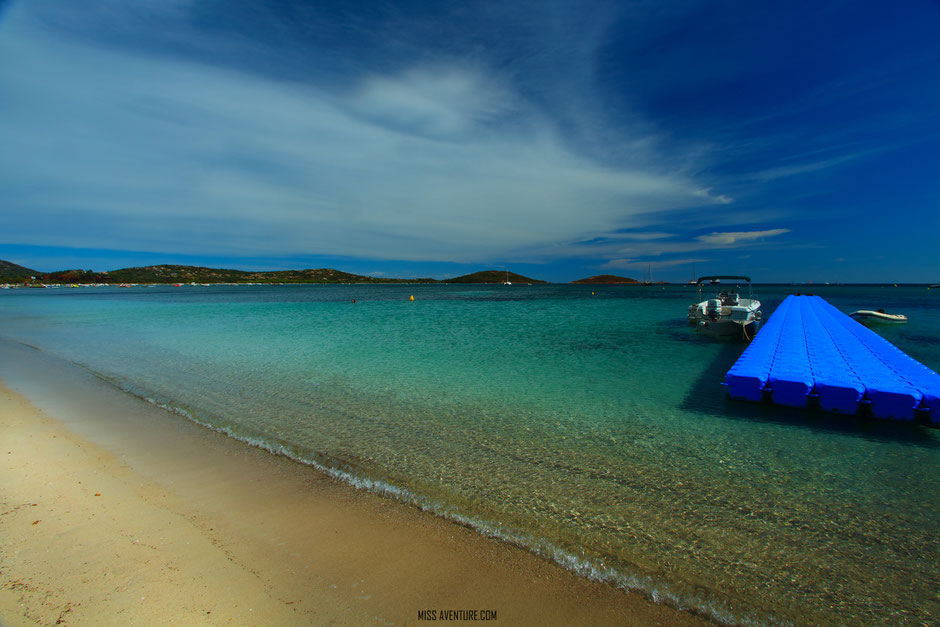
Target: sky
790,141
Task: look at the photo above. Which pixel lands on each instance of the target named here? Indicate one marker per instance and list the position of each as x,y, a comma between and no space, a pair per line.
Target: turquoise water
590,428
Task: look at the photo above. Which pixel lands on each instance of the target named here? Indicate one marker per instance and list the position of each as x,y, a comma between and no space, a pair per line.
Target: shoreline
114,509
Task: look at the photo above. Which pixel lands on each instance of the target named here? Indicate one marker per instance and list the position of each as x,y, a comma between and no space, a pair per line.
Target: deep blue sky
792,141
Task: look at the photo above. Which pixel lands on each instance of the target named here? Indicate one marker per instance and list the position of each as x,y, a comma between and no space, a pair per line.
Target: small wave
658,592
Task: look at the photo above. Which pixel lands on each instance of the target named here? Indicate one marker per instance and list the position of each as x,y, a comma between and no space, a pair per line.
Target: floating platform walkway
811,350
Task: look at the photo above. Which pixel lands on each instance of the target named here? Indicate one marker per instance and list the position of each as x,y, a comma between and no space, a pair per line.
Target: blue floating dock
810,350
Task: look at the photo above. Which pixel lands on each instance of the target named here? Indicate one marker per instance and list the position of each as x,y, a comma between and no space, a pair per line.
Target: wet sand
113,511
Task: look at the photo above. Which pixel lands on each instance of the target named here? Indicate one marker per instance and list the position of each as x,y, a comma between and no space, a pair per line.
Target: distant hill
198,274
605,279
492,276
11,272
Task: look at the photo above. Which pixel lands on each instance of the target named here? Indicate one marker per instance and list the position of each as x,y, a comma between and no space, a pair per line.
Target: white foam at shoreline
659,592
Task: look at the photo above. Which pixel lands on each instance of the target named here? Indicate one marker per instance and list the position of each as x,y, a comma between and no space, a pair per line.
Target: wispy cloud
806,167
157,152
739,237
662,250
641,236
642,264
443,101
721,199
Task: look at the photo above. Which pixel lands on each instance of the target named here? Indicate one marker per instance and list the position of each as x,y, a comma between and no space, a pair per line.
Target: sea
587,424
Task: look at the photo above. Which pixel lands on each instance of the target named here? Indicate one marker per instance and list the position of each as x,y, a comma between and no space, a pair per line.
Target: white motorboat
879,315
727,314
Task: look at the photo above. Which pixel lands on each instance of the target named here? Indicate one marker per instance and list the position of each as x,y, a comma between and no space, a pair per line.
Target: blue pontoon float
810,350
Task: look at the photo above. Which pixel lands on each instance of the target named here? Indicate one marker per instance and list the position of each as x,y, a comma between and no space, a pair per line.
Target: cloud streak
444,102
634,264
739,237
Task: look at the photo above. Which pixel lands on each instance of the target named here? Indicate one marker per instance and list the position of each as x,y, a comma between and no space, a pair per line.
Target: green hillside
12,272
198,274
170,274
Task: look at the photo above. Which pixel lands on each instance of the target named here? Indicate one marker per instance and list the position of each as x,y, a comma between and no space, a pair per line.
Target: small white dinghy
867,315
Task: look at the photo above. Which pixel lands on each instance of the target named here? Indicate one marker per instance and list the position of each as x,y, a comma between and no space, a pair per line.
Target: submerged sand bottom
113,511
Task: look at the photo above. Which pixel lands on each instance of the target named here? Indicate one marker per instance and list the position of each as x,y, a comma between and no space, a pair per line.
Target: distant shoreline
173,274
415,282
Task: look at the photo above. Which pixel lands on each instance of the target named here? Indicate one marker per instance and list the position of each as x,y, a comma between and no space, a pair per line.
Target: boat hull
730,329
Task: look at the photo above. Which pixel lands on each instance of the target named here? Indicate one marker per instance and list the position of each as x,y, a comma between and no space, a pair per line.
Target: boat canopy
722,277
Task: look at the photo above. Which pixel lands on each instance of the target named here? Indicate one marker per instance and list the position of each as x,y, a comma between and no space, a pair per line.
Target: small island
606,279
493,276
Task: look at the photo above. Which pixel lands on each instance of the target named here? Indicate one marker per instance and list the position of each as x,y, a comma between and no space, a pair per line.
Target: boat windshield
727,295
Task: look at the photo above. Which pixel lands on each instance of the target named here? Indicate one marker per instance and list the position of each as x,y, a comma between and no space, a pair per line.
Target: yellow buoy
412,297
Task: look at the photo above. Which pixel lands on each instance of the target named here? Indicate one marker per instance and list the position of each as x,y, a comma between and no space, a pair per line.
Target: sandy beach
117,512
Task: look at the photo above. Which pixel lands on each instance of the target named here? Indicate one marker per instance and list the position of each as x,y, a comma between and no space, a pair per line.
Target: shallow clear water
590,428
